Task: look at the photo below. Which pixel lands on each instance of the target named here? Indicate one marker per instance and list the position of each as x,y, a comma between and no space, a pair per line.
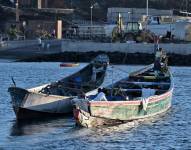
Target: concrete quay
28,48
147,48
84,51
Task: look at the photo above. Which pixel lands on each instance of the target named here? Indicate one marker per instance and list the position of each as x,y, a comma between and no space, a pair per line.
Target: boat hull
55,97
106,113
34,105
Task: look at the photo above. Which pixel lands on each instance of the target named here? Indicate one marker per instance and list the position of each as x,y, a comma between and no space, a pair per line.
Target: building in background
42,3
134,14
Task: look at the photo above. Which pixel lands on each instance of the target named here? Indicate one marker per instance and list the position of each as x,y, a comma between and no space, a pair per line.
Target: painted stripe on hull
152,99
91,121
129,112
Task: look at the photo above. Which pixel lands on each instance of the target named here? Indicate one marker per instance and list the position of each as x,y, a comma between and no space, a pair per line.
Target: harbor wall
24,43
28,48
84,51
84,46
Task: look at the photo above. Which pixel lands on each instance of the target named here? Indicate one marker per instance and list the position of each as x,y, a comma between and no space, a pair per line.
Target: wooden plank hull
109,113
30,105
131,109
55,98
96,113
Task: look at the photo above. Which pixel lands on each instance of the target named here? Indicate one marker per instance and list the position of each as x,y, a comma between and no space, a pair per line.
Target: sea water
171,130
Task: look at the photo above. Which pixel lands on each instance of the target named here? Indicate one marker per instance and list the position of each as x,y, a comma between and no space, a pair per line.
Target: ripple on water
168,131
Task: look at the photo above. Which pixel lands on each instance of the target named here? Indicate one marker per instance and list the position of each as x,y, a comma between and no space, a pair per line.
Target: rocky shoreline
115,58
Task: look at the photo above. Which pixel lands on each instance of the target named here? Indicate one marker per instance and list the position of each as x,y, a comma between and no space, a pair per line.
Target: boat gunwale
151,99
42,94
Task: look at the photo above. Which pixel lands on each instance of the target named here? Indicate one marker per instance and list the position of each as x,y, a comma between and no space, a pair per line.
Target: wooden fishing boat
55,98
141,95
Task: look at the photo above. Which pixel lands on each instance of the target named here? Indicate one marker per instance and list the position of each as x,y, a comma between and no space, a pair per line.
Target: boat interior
137,86
78,83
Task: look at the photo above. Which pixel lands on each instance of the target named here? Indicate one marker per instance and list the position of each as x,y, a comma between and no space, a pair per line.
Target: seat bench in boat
128,94
145,83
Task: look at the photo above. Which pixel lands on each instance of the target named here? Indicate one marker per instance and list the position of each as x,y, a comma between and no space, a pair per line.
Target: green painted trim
130,112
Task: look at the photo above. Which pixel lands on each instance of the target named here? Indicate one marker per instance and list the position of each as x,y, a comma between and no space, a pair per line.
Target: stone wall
25,44
84,46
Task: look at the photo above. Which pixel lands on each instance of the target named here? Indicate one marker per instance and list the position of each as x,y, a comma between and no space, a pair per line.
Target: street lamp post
24,28
17,14
186,8
129,16
147,8
91,21
147,13
17,10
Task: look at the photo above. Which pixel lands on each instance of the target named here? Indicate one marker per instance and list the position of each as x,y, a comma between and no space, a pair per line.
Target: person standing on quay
39,43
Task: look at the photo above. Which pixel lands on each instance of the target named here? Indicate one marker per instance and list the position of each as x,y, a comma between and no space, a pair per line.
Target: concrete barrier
25,43
87,46
29,48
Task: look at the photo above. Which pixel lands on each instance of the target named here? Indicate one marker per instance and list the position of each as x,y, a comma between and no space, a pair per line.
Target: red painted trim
152,99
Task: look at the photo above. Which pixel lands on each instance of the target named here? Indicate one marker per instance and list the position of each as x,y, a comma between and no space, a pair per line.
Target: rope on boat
119,69
63,85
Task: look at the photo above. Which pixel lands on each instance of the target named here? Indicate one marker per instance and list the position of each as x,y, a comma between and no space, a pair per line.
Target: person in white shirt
100,96
39,43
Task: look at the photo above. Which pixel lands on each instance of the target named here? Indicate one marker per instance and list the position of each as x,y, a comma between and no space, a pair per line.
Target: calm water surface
170,131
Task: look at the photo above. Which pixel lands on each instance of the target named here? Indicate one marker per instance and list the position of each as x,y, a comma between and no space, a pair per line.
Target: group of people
43,45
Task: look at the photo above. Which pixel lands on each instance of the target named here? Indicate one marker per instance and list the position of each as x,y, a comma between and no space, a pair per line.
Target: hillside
82,7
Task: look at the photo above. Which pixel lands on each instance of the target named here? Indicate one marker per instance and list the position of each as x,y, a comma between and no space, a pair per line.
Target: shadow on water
34,126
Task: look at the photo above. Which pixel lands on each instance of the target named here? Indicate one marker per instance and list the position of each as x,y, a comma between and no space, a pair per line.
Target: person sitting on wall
100,96
39,43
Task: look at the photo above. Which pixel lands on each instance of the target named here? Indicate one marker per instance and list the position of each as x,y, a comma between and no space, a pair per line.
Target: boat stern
81,113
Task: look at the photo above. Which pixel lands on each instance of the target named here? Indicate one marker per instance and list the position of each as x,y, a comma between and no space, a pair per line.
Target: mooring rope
119,69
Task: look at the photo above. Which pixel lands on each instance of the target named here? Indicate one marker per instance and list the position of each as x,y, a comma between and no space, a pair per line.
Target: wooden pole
59,29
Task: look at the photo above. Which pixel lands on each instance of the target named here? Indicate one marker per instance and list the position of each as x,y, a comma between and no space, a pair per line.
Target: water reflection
46,125
169,131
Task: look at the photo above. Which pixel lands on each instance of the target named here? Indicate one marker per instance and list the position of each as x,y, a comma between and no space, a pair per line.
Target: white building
183,30
134,14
